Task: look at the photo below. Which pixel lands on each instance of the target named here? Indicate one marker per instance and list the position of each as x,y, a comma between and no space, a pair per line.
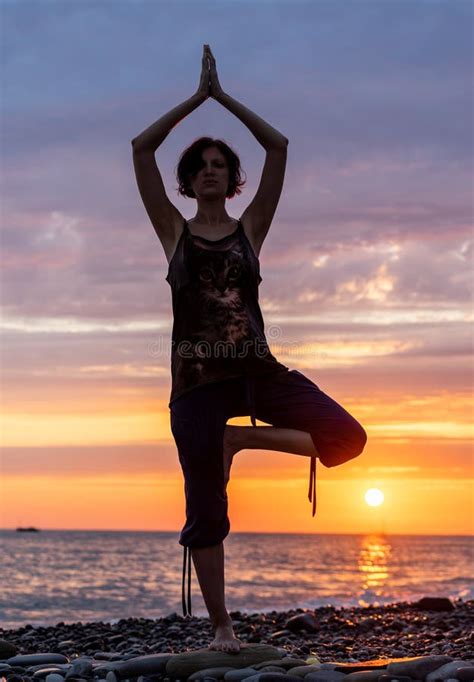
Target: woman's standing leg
209,565
198,422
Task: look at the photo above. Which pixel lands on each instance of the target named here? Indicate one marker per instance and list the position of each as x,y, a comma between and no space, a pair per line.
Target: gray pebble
237,675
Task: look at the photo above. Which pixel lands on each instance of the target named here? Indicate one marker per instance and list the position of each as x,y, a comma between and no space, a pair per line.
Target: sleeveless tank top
218,329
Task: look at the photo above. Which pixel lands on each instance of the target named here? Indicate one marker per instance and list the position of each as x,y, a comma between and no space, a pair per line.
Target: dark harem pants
285,399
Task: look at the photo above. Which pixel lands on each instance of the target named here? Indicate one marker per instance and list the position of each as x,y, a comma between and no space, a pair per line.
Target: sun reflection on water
373,563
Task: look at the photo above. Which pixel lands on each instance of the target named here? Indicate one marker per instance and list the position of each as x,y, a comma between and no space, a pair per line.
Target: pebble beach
431,639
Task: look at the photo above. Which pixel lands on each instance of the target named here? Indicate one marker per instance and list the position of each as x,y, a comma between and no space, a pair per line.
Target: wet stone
465,673
272,669
54,677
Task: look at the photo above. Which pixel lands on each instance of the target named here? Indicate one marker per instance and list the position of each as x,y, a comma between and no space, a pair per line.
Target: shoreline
400,629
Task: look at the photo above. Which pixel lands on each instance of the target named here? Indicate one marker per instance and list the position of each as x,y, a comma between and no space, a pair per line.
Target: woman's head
204,159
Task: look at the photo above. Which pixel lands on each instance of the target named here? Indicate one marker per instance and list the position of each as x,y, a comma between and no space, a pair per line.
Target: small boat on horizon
29,529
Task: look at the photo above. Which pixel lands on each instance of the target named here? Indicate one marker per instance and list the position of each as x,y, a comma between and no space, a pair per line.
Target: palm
214,86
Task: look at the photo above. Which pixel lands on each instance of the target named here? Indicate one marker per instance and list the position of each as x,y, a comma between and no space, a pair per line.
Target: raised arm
165,217
258,215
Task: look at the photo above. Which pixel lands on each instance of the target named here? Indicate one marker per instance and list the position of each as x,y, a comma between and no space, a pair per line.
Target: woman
221,365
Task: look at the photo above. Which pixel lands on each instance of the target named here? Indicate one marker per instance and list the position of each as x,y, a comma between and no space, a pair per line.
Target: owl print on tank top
217,313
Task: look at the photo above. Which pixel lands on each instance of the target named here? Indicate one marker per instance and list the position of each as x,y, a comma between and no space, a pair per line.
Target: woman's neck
211,221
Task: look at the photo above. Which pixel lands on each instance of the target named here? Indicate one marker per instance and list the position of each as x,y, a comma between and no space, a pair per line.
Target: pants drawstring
186,607
312,470
312,484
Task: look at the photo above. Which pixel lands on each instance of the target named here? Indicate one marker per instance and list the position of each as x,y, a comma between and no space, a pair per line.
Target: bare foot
232,445
224,639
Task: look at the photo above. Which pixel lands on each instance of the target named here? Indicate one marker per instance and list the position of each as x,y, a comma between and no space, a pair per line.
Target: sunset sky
367,267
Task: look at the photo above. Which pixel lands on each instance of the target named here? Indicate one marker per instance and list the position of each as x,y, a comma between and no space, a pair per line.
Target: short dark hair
190,162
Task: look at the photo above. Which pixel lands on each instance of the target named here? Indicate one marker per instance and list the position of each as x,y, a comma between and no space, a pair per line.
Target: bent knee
359,438
344,441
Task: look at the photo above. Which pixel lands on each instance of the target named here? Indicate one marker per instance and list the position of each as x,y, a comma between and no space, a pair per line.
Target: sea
71,576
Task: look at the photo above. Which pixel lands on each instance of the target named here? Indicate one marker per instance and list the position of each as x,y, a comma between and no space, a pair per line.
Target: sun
374,497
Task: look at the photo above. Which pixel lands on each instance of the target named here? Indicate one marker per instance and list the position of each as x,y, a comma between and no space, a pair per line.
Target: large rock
434,604
445,671
465,673
153,664
7,650
417,667
184,665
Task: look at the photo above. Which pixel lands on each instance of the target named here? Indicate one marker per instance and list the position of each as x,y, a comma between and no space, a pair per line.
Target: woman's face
213,176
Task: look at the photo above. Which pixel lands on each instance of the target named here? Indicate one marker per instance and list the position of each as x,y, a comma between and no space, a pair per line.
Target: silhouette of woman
221,365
